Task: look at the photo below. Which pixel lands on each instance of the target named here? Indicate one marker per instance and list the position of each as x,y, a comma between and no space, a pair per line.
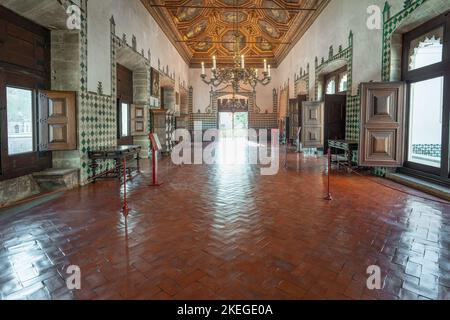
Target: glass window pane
343,83
331,86
20,120
426,49
125,113
425,133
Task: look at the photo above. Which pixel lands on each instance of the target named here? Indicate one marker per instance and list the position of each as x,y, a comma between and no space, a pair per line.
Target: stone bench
56,179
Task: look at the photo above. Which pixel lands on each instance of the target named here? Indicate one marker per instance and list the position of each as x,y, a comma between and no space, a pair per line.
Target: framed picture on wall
155,85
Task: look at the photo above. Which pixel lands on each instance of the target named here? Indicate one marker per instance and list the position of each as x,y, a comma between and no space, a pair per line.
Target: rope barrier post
286,154
329,197
154,143
125,209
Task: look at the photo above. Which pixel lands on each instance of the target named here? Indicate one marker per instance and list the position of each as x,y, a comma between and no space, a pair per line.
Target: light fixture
238,74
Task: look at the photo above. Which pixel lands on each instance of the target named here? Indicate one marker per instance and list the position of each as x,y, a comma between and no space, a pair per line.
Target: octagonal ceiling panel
275,12
234,2
269,29
229,40
202,28
263,44
187,14
196,29
204,45
231,17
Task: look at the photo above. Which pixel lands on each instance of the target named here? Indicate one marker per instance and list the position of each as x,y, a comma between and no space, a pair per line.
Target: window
425,125
426,70
343,82
125,119
336,82
331,86
426,50
20,120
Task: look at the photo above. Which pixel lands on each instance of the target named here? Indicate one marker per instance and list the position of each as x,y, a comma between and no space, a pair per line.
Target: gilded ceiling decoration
200,29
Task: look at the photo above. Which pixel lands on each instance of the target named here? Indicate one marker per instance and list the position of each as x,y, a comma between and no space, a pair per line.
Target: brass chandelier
238,74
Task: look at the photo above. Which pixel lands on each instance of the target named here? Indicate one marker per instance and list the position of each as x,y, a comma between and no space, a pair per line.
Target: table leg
138,158
94,169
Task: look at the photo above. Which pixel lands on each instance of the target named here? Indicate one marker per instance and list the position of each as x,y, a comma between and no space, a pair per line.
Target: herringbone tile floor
226,232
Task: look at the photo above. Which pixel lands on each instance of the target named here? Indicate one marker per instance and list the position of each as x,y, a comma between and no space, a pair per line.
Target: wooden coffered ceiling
267,29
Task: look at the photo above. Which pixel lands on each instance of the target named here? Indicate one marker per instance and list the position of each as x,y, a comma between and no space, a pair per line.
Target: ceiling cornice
299,32
169,30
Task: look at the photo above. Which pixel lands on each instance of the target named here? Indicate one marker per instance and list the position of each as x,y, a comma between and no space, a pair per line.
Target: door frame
441,69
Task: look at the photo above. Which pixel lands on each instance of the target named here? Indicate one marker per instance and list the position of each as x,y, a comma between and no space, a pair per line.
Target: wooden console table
348,146
118,154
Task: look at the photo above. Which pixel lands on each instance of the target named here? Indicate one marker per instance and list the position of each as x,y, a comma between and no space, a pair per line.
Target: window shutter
312,124
382,124
43,104
139,120
61,128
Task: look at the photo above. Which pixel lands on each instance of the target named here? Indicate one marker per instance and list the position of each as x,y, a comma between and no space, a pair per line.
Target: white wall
131,18
332,28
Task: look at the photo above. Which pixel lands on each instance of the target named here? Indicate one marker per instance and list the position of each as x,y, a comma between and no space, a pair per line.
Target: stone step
434,189
56,179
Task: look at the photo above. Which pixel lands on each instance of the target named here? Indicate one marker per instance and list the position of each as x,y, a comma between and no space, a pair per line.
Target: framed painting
155,85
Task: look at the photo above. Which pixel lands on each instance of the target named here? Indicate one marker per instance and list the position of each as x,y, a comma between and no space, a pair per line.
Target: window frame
440,69
121,104
337,75
34,120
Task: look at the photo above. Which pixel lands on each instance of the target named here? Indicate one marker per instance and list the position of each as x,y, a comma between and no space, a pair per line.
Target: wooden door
312,125
382,124
293,118
301,99
335,116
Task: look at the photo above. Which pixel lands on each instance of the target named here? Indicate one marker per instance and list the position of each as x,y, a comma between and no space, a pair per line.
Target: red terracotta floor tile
226,232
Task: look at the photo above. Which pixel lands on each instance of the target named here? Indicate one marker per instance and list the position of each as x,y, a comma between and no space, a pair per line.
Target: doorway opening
336,86
233,121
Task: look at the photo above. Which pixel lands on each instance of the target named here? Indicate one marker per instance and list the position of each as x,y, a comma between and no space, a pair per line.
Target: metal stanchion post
329,197
125,209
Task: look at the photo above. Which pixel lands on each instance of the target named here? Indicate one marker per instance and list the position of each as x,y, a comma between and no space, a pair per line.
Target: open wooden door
382,124
57,121
335,117
312,125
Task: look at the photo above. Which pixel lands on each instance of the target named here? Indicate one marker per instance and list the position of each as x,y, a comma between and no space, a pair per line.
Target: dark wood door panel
335,118
24,63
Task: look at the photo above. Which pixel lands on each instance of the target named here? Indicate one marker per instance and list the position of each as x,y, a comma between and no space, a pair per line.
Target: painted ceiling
267,29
